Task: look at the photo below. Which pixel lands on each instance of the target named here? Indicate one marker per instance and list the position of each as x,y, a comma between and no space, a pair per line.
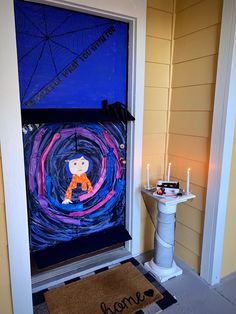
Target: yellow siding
195,123
159,23
164,5
190,258
157,166
147,231
156,75
190,239
156,98
154,122
157,50
189,147
158,139
200,200
229,251
194,73
193,98
157,87
5,289
183,4
191,217
198,170
198,16
196,45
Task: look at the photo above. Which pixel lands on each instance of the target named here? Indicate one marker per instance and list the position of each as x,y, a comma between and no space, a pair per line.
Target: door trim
221,148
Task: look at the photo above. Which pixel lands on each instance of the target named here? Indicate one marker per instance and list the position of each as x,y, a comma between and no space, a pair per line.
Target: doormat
125,289
122,289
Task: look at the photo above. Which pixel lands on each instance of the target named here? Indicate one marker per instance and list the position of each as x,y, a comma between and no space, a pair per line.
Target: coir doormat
124,289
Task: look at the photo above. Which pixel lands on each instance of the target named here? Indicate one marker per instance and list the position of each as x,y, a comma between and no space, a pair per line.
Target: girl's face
78,166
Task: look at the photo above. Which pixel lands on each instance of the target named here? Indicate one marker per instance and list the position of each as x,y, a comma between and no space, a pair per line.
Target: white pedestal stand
163,266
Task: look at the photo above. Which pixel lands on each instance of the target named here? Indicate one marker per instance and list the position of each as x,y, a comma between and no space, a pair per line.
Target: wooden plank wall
196,41
229,250
157,86
5,289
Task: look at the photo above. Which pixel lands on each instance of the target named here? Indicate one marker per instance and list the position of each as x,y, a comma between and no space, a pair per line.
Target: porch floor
193,294
196,297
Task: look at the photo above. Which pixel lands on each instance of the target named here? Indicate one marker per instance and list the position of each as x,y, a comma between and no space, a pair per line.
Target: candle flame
169,163
189,169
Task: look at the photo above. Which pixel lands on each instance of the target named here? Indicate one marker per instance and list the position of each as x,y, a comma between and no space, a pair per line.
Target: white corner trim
13,165
221,148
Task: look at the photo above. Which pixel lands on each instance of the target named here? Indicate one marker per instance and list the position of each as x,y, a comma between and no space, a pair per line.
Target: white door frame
11,135
221,148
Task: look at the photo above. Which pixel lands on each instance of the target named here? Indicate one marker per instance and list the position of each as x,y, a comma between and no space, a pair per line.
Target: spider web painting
69,59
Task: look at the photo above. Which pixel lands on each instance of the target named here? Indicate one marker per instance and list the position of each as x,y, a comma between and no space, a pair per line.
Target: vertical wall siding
196,41
157,86
5,289
229,250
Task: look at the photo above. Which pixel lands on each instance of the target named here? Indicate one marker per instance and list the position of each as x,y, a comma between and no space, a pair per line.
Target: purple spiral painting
75,176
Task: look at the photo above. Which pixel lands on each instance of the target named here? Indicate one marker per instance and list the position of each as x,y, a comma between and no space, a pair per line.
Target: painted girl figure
78,168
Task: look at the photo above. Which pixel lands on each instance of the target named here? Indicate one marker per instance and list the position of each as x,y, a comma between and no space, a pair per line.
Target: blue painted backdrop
69,59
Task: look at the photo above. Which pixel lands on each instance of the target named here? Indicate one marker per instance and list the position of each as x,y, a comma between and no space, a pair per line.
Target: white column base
163,274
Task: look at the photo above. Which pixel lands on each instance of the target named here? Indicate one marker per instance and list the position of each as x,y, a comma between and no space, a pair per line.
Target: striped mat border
40,306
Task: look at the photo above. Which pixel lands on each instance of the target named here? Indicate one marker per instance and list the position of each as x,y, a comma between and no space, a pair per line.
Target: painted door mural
76,180
75,172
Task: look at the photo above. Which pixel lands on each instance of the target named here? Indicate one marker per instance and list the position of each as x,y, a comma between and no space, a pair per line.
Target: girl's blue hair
77,156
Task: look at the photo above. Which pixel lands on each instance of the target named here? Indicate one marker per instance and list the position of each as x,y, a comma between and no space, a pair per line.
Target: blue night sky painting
69,59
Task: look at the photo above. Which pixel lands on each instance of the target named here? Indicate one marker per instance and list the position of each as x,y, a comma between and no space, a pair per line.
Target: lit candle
188,181
148,176
168,173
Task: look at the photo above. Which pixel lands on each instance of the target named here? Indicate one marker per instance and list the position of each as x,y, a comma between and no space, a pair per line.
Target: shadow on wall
148,218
